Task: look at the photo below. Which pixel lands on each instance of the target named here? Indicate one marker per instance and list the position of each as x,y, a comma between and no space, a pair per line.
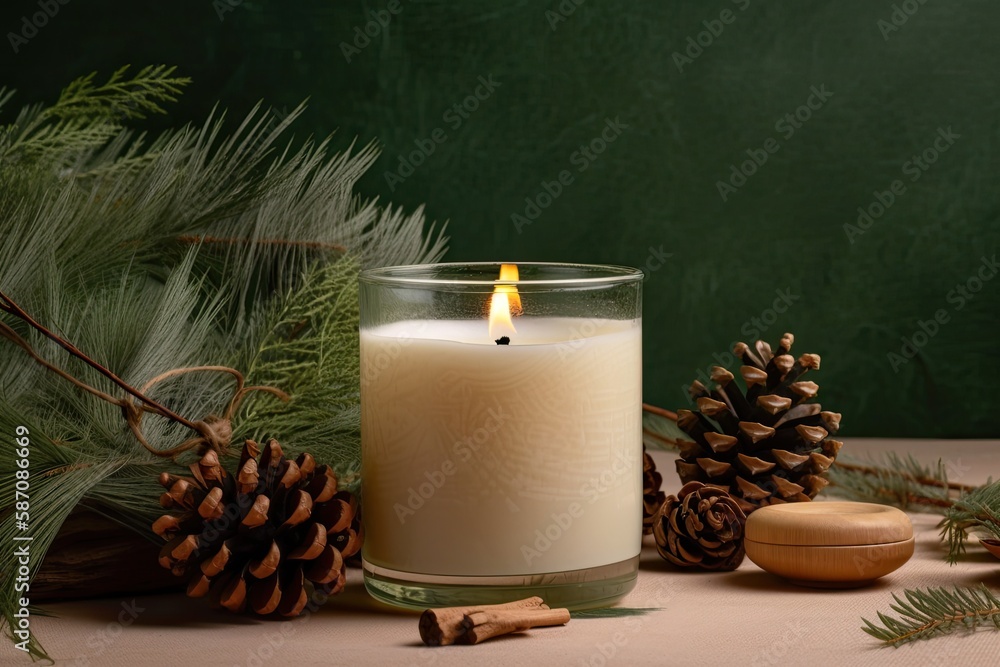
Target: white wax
481,459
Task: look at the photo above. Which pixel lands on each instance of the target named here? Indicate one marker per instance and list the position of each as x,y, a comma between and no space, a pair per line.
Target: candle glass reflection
501,433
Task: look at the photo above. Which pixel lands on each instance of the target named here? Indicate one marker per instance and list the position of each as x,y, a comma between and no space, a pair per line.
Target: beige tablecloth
745,617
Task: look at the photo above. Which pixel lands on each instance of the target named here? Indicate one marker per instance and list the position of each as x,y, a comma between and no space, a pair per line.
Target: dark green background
656,184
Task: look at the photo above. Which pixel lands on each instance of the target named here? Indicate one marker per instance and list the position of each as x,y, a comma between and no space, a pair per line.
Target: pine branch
9,306
978,511
199,248
120,97
86,116
215,240
661,412
307,345
930,612
922,476
659,428
894,480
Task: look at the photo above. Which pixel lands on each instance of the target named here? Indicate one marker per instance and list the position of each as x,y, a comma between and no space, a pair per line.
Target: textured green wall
652,197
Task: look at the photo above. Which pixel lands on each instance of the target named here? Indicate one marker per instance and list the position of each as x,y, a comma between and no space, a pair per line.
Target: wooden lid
828,524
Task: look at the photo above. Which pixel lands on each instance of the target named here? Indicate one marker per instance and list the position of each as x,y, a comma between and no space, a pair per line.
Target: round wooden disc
830,567
828,524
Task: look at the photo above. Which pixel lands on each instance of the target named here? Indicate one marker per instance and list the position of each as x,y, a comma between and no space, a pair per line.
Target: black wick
503,340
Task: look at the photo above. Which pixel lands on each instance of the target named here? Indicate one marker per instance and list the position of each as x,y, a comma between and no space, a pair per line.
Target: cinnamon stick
442,627
482,625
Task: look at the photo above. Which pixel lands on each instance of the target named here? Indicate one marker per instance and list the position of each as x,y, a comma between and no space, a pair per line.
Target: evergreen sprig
901,481
120,97
86,115
929,612
977,511
660,430
214,244
308,345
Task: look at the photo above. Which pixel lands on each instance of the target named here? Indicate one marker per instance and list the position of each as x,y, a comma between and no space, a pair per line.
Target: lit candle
503,450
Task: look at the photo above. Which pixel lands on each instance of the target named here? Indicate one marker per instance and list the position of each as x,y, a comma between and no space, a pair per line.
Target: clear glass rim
422,274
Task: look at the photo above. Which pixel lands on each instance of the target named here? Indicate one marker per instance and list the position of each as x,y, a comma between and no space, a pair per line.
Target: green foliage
203,246
900,481
86,115
659,432
119,97
930,612
308,346
977,511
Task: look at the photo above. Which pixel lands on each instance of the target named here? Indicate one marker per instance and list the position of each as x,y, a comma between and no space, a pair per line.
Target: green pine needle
977,511
613,612
930,612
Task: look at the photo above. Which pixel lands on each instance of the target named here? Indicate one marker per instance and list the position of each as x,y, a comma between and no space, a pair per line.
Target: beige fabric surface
744,618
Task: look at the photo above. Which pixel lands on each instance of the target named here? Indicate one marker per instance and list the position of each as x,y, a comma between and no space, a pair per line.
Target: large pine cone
700,527
768,445
260,539
652,496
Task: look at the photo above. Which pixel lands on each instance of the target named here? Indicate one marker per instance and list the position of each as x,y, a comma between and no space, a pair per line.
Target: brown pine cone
652,496
262,539
767,444
701,527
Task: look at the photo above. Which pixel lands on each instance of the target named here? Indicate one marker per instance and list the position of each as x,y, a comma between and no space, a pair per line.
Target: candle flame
504,303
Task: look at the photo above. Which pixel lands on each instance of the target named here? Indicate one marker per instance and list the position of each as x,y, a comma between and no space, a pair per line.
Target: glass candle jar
501,428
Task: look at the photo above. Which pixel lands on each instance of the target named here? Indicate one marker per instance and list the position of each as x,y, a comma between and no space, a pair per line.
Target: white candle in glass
486,459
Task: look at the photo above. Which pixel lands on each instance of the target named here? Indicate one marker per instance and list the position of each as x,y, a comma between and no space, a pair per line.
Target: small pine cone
260,539
701,527
652,496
